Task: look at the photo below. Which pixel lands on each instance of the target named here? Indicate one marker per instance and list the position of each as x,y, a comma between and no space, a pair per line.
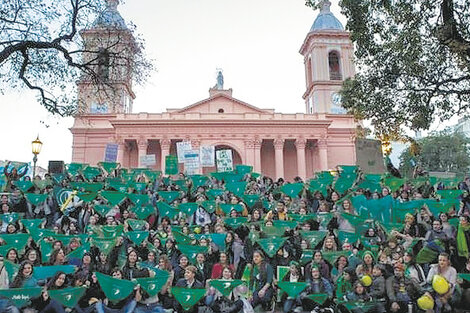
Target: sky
255,42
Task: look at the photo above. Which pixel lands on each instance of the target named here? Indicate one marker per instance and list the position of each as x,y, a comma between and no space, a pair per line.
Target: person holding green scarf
345,282
24,278
463,236
261,281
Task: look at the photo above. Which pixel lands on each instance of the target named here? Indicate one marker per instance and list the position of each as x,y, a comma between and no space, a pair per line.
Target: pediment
222,103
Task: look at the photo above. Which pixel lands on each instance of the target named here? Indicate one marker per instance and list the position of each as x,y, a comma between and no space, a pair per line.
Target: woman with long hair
261,280
218,267
44,303
57,257
24,278
166,299
32,255
233,303
131,270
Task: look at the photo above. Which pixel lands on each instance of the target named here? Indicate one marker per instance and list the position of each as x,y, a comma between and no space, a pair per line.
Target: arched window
333,62
103,64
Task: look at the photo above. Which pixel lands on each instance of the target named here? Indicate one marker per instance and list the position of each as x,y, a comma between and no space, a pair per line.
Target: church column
301,164
249,152
121,150
323,154
165,147
257,148
279,157
142,144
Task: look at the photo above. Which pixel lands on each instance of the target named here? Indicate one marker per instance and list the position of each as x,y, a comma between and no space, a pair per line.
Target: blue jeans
128,308
8,307
149,308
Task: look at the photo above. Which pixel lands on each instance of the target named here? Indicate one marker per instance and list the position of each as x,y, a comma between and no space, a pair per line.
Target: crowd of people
108,239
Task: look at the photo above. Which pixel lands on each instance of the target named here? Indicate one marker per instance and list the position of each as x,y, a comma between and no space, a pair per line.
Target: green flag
137,236
187,297
225,286
181,238
343,184
113,197
273,231
87,187
301,218
58,178
139,186
314,237
80,251
20,296
36,198
282,272
45,272
372,186
109,167
237,188
142,212
16,240
394,183
228,207
219,240
24,186
209,206
292,190
152,285
115,289
67,297
213,193
138,199
41,184
171,165
169,196
87,196
235,222
285,224
231,177
188,208
164,209
449,194
271,245
360,306
198,180
306,256
320,185
332,256
292,289
8,218
102,209
46,250
119,186
152,175
345,236
191,251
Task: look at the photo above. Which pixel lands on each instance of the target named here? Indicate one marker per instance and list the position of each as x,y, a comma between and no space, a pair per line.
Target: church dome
110,17
326,20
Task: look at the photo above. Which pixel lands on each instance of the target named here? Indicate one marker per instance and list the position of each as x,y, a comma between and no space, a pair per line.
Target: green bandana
198,180
251,200
35,198
138,199
319,298
243,169
181,238
16,240
303,218
464,276
87,187
42,184
136,224
191,251
46,250
271,245
169,196
87,196
119,186
292,190
20,296
138,186
462,245
115,289
235,222
9,218
428,255
188,208
225,286
102,209
45,272
209,206
360,305
292,289
91,172
105,245
152,285
237,188
137,236
24,186
314,237
187,297
227,208
142,212
109,167
306,256
113,197
214,193
273,231
394,183
67,297
231,177
372,186
343,184
11,268
164,209
80,251
75,168
449,194
320,185
285,224
332,256
282,272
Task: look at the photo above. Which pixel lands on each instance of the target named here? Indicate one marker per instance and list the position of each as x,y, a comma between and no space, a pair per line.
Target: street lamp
36,147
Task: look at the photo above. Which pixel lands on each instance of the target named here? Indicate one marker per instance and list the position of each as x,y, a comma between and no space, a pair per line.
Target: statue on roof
220,81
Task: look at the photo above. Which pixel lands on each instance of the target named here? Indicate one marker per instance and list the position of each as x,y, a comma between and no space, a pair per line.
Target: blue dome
110,17
326,20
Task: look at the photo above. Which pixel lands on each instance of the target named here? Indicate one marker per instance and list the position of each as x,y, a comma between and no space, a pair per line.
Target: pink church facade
275,144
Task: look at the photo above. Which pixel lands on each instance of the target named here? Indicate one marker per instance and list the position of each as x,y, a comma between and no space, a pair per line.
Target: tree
41,49
413,60
445,151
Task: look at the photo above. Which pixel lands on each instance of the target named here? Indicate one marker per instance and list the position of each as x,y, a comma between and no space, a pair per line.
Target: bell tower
110,49
328,57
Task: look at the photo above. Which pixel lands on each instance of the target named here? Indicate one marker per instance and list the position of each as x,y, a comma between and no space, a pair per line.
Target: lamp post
36,147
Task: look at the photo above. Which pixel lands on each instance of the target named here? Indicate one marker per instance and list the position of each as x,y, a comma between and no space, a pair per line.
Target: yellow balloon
440,284
425,302
366,280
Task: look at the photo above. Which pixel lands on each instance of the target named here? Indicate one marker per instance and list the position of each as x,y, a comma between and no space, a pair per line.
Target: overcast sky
255,42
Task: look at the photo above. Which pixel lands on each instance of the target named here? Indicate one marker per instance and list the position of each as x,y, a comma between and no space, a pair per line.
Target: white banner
191,162
224,161
148,160
181,148
207,156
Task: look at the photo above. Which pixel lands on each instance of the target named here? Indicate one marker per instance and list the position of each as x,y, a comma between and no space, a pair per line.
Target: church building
274,143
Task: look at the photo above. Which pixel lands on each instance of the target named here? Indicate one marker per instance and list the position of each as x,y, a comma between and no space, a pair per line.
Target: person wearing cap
367,264
401,290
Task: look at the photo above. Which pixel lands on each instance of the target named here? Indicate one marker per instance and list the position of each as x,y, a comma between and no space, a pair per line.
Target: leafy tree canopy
41,49
413,60
445,151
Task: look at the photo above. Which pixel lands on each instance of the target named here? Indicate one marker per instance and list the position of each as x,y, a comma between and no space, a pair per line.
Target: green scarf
462,246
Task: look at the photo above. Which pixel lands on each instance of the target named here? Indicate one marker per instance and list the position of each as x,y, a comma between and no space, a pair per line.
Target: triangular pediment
222,103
